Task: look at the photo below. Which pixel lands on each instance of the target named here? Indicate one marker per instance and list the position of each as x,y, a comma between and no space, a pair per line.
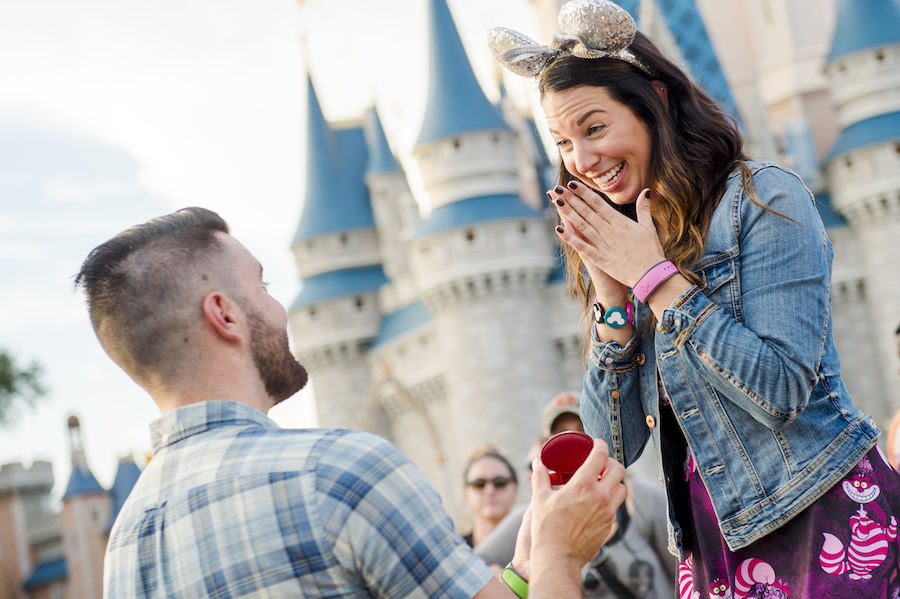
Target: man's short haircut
144,288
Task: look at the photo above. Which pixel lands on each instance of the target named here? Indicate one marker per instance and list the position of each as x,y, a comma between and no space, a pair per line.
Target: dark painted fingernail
559,229
647,194
559,202
558,189
573,185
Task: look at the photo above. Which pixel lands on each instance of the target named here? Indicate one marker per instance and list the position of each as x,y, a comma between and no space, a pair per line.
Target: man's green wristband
515,582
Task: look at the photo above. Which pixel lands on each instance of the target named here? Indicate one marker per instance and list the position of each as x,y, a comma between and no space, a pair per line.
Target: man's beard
280,372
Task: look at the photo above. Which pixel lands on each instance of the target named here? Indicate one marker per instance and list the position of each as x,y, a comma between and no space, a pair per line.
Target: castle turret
336,314
465,148
863,169
481,262
85,515
126,476
25,520
395,210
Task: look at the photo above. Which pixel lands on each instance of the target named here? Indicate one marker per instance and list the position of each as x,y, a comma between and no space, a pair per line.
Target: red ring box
563,453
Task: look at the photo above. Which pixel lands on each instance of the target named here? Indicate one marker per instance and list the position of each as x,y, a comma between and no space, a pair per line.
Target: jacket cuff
686,313
610,356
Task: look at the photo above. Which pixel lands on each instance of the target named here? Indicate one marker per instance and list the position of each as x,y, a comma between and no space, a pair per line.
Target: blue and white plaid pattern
231,505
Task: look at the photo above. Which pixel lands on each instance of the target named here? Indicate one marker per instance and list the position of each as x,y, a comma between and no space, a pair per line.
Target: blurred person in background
491,489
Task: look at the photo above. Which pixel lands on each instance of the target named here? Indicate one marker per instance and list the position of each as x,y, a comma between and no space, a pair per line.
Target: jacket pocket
717,274
721,284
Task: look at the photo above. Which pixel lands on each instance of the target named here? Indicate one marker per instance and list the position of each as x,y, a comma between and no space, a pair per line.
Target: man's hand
567,526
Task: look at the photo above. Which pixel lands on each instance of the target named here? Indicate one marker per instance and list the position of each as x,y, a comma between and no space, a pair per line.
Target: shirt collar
200,417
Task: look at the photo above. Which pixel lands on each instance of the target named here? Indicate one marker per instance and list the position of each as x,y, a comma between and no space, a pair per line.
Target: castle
446,332
46,554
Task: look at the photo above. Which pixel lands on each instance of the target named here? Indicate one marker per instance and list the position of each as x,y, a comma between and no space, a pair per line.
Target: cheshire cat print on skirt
844,546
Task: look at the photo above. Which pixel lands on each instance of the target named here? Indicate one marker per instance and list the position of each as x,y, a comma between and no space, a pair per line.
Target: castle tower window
456,143
312,312
359,303
848,162
470,235
343,239
524,229
879,56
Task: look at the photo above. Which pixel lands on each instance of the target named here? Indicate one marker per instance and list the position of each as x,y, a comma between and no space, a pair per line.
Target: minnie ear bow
591,28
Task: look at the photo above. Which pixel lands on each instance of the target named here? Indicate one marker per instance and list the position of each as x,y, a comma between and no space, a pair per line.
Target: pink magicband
652,279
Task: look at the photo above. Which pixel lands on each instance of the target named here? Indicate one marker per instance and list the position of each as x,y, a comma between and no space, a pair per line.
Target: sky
113,112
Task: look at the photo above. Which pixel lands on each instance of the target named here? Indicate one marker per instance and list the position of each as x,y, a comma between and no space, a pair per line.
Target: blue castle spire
82,481
126,477
456,102
336,201
864,24
381,159
336,198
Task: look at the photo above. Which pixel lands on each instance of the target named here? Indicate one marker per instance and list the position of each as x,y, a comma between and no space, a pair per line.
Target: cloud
85,192
24,308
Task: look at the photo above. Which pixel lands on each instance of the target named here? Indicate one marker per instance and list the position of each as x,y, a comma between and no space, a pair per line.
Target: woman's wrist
615,317
666,294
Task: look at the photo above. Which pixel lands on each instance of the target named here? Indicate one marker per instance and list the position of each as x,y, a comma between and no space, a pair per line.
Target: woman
710,323
491,488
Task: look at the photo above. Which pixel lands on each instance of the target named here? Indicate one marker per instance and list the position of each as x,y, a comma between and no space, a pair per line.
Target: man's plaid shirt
231,505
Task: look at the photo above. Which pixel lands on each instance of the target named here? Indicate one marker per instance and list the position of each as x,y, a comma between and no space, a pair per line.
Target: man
231,505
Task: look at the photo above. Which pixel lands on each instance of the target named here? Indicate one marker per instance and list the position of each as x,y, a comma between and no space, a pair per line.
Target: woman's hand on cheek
610,241
608,289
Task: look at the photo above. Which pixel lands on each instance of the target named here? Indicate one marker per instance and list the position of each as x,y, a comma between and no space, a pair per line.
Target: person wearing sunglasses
491,489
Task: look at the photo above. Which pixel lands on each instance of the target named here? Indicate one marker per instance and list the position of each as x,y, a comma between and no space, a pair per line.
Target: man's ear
223,315
662,90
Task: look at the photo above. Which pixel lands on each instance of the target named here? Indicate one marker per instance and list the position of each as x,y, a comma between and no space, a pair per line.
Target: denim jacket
750,367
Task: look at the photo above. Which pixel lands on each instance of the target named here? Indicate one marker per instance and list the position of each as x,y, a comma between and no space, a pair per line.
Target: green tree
18,387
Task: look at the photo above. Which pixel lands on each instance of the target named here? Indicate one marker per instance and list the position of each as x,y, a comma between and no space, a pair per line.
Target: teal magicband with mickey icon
614,318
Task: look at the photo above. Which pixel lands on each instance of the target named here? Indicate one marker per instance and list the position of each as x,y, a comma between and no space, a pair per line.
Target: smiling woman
726,357
491,488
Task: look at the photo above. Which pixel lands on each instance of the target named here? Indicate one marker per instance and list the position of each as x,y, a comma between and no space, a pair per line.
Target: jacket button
651,421
640,358
614,394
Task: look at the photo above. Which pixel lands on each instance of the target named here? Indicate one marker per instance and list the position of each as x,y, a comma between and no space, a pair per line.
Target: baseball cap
566,402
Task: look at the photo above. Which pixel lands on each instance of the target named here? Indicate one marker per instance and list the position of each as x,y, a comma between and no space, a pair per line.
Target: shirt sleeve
394,536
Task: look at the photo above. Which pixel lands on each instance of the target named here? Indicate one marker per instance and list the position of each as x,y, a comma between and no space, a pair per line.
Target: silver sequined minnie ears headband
592,28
